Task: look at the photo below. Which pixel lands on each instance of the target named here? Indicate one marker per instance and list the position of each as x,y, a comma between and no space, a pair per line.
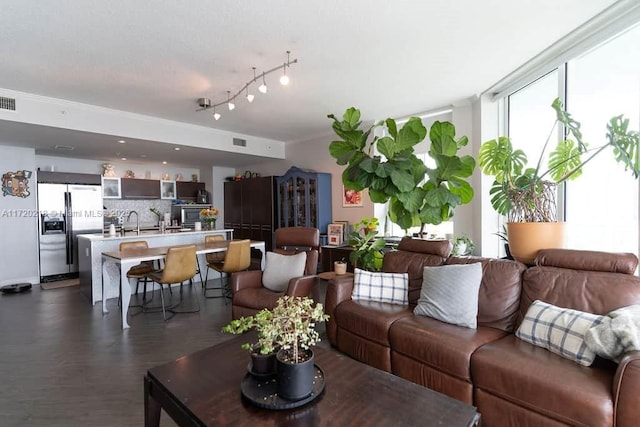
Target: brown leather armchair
250,296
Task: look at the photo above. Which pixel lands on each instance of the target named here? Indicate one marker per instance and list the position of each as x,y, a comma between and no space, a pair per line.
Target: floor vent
240,142
7,103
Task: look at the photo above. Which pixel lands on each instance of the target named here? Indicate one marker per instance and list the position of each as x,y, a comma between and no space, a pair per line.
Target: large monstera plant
527,194
388,168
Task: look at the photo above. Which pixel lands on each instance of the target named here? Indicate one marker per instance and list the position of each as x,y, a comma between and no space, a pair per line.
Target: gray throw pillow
450,294
279,269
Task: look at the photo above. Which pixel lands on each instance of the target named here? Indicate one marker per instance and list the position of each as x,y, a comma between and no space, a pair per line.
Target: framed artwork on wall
111,188
351,198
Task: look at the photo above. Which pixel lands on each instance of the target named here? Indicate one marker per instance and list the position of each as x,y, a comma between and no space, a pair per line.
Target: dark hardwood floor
64,363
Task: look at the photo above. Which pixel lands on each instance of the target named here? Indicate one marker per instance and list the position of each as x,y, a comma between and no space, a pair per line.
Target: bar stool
140,271
179,266
237,258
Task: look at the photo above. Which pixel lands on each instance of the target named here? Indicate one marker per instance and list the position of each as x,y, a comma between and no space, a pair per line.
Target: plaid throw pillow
560,330
382,287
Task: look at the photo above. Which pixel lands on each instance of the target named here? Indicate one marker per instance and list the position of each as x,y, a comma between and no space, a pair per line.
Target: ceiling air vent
240,142
7,103
64,147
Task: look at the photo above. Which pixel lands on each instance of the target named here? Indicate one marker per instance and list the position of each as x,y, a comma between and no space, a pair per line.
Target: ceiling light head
249,96
122,141
176,148
263,86
123,158
216,116
230,104
164,163
284,79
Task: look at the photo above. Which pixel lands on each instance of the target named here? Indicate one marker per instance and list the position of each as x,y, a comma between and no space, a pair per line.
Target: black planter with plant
289,327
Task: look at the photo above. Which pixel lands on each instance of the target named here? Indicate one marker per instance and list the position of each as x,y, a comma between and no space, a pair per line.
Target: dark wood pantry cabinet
249,209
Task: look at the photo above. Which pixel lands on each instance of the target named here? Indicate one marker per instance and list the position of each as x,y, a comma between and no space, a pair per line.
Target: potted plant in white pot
527,195
292,327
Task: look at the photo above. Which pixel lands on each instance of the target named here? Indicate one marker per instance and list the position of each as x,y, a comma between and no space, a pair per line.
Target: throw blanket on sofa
618,334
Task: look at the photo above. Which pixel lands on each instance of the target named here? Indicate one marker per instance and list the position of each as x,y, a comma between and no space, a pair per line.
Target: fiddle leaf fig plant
391,172
527,194
367,251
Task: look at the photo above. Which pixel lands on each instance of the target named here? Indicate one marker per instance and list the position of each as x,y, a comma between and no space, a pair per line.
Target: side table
320,291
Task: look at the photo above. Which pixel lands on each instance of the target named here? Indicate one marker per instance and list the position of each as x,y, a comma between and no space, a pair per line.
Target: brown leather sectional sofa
512,382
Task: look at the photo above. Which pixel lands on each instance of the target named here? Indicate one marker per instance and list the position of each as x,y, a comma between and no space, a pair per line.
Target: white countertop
147,234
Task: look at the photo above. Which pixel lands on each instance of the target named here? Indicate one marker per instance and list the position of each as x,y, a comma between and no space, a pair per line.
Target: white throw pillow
559,330
279,269
450,294
382,287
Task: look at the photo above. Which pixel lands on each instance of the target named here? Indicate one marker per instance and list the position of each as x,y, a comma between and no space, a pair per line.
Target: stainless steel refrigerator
66,210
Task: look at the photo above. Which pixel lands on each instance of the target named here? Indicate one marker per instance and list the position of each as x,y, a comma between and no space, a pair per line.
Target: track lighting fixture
205,103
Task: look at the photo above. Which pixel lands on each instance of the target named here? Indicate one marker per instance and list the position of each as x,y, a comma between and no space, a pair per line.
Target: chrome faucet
137,221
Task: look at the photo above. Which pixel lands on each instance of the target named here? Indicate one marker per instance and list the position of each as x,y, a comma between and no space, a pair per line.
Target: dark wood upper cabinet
133,188
188,190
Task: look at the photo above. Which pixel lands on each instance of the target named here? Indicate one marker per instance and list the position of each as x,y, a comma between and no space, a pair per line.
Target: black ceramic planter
295,380
263,364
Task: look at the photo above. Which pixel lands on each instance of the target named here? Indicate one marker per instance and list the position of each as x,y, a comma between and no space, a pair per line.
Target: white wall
19,222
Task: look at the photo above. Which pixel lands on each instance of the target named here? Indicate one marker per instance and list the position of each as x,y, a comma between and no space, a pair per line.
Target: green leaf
413,200
386,147
384,170
403,180
441,135
341,151
391,127
565,161
499,199
378,196
352,117
462,189
411,133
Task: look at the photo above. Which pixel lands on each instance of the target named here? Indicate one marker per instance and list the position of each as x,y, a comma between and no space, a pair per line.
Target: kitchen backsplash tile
121,208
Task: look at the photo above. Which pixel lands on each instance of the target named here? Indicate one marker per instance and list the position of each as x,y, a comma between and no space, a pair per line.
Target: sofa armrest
339,289
626,389
245,280
301,286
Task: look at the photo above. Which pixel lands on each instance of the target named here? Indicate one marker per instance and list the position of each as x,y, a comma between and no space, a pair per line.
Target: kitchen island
92,246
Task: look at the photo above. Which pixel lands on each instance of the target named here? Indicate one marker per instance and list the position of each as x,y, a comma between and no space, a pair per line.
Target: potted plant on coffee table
527,195
293,329
263,351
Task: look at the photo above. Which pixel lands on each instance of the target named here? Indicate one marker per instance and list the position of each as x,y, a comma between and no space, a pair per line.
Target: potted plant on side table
527,195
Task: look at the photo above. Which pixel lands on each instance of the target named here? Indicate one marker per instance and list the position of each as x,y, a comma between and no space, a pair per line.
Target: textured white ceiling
389,58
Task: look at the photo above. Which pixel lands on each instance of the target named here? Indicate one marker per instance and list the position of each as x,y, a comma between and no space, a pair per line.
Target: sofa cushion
595,292
370,319
445,347
560,330
500,290
412,256
381,287
450,294
279,269
536,379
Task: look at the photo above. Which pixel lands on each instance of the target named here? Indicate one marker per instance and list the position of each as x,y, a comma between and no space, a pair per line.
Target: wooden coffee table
203,389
